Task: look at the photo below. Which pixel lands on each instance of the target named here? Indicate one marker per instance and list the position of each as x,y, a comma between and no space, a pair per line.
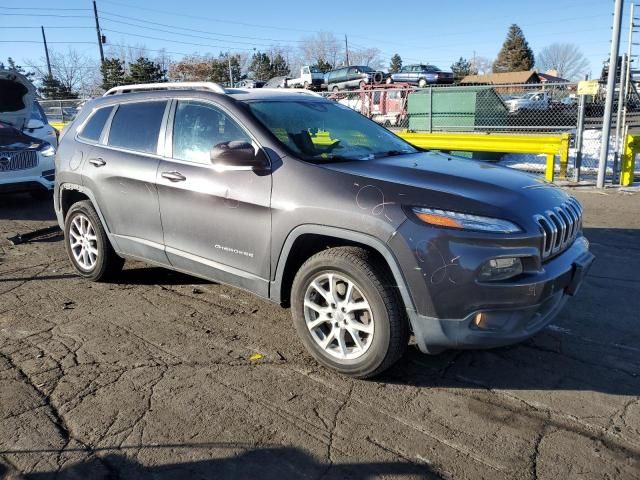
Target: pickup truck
310,77
529,101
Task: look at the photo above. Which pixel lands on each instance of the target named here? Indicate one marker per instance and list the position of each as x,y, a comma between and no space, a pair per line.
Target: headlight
500,269
47,150
445,218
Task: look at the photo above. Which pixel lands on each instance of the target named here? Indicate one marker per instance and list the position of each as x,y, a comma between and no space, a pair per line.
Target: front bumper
494,327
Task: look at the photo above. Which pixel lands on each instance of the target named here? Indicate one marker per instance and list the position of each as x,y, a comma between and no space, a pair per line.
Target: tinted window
136,126
198,127
93,128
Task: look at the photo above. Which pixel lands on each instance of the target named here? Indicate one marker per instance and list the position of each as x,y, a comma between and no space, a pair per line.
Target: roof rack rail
214,87
302,91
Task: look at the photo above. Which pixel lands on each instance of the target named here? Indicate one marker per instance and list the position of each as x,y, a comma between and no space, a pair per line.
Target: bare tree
76,71
323,46
565,58
370,57
481,65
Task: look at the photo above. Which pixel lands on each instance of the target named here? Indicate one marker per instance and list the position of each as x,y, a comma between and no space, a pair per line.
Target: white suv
27,141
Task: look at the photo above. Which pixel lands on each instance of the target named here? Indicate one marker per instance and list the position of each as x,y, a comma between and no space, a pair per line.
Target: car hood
434,179
17,95
12,139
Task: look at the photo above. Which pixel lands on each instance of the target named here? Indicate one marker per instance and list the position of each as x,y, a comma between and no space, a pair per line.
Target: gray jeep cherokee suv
305,202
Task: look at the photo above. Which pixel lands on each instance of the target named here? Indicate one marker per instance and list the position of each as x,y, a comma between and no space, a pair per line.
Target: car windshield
324,131
315,70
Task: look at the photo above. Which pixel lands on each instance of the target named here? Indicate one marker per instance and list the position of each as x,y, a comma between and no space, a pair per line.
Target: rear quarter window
93,128
136,126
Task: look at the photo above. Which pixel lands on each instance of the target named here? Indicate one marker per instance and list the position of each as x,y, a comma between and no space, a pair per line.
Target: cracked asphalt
156,377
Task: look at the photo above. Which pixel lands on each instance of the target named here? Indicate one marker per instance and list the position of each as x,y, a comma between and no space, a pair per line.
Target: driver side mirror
238,154
34,123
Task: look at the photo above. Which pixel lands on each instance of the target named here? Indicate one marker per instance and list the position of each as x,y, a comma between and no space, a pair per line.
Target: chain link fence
523,109
61,111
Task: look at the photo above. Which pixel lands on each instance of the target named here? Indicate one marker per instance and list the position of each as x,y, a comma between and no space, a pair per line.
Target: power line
102,13
175,41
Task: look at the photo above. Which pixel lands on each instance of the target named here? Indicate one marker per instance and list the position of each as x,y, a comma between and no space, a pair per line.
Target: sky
437,32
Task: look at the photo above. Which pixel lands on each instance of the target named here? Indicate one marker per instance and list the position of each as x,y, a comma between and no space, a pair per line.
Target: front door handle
97,162
173,176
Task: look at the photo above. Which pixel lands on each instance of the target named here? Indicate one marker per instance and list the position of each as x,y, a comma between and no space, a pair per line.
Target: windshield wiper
392,153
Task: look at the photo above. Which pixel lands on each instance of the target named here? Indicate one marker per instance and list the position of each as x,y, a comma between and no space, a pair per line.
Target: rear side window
136,126
93,128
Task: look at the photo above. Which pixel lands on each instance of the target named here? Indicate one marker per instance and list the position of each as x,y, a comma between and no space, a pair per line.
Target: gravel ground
166,376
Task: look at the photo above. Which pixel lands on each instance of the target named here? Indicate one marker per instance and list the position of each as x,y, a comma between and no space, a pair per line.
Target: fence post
430,109
628,160
548,173
579,135
564,156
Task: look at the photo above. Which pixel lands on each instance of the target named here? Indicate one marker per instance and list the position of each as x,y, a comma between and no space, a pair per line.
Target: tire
82,221
305,85
378,78
362,84
422,83
335,88
389,81
387,329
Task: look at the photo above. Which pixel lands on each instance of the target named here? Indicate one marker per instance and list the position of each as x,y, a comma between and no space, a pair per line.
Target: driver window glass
198,127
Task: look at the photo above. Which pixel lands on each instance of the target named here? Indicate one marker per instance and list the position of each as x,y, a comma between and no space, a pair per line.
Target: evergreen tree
279,67
260,66
12,65
461,69
219,69
515,54
113,74
54,89
323,65
144,70
396,64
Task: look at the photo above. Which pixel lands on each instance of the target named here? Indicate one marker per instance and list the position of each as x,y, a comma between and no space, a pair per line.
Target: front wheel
347,313
389,81
422,83
87,244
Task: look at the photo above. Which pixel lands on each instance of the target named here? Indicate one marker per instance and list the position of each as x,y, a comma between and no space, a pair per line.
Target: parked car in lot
20,109
27,141
250,83
352,77
277,82
311,205
421,75
529,101
310,77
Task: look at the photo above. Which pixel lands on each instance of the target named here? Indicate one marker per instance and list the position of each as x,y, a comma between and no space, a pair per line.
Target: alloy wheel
338,316
83,242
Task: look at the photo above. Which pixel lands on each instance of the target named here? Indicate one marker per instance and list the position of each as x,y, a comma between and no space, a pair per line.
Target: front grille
18,160
560,227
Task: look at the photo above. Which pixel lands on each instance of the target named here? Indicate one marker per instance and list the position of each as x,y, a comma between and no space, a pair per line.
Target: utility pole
346,49
46,51
611,85
230,74
95,14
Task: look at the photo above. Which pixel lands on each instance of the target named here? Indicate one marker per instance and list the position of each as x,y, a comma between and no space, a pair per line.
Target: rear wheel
335,88
347,314
389,81
422,83
362,84
305,85
87,244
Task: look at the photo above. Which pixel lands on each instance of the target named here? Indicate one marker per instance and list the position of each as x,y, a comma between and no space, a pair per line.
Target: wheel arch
72,193
307,240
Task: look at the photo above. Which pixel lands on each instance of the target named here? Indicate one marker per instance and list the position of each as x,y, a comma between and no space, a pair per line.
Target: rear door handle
173,176
97,162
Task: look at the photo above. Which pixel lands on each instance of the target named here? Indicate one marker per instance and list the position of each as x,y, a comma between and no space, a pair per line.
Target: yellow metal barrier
58,125
549,145
628,159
